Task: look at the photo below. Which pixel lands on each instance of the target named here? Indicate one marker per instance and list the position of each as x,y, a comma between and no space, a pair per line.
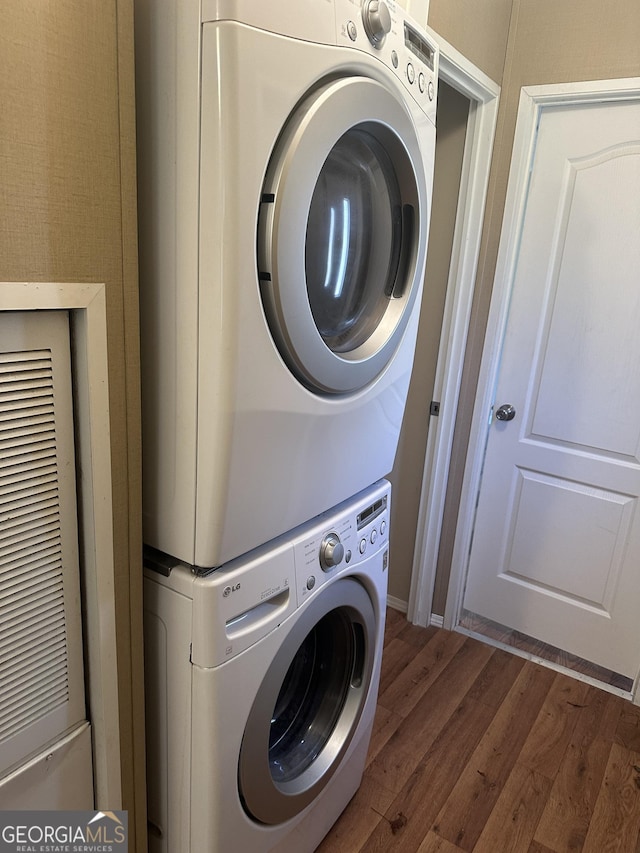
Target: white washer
261,686
285,167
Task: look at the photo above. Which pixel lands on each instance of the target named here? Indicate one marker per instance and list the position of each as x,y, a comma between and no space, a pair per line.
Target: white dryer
285,169
261,686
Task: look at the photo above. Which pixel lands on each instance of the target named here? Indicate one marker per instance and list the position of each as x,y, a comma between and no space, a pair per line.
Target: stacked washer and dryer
285,163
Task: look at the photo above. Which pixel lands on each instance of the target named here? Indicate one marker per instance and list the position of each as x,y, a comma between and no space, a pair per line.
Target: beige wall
479,30
67,213
548,42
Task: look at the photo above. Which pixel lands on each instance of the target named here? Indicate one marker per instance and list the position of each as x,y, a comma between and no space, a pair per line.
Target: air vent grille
33,642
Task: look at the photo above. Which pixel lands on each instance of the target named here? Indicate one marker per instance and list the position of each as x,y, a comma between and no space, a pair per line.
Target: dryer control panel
341,539
382,29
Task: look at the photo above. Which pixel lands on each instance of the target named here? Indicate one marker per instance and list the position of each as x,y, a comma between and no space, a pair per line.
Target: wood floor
475,749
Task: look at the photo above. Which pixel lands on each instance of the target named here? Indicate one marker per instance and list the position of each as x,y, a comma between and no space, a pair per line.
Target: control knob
377,21
331,552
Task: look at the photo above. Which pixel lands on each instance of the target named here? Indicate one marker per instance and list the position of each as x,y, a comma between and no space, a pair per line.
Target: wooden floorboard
475,750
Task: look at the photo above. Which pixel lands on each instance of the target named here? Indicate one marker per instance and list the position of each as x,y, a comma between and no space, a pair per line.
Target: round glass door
308,707
341,236
312,695
353,241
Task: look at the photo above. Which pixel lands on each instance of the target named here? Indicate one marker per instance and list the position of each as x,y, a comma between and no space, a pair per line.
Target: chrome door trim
316,126
264,799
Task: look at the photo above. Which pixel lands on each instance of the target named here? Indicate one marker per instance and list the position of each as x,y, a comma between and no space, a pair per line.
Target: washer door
341,236
308,706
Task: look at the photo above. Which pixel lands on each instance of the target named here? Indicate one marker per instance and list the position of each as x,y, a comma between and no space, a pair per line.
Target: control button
411,72
421,81
394,59
331,551
374,536
347,557
377,21
383,527
311,582
352,32
432,91
363,546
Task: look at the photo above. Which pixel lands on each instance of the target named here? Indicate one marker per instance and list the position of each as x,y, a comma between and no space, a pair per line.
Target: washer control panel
382,29
342,538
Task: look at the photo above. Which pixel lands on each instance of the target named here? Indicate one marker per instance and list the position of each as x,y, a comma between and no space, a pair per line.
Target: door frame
533,99
484,95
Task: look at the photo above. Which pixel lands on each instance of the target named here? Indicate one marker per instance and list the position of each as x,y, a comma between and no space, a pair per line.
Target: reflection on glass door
354,234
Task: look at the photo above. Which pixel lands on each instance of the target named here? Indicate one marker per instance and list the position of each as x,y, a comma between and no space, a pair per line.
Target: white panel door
556,543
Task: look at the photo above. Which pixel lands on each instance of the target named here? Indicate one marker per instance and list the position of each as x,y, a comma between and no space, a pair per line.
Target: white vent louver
33,640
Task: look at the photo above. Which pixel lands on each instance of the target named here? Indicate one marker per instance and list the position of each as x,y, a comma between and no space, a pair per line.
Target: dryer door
307,709
342,234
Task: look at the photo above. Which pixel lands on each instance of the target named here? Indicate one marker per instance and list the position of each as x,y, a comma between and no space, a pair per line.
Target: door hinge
434,408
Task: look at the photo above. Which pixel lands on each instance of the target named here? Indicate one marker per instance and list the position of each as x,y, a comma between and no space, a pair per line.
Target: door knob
506,412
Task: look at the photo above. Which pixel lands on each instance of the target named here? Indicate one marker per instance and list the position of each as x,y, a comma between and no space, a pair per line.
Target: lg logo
226,592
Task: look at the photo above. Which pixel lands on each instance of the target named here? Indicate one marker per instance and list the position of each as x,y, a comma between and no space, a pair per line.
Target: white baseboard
397,603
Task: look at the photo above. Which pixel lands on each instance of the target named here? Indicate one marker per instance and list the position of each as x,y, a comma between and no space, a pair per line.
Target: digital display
418,45
371,512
